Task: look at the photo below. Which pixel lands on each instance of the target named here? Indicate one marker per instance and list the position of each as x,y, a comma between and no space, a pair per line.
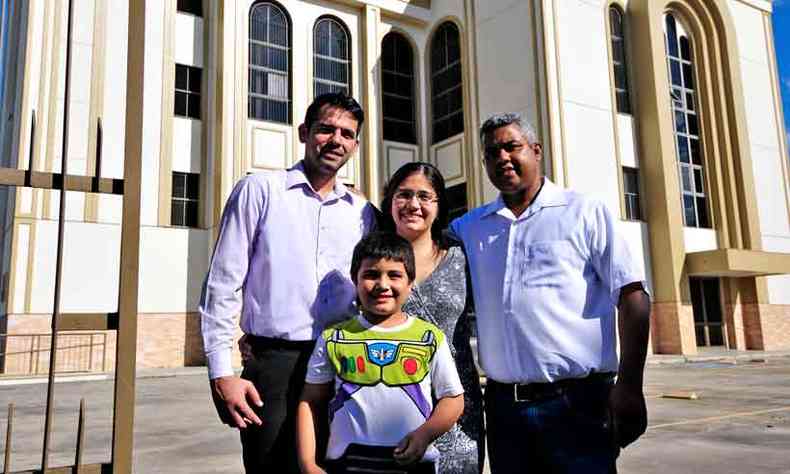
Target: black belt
259,343
533,392
360,458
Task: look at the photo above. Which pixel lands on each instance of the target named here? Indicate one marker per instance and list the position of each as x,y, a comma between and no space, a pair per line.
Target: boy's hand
411,448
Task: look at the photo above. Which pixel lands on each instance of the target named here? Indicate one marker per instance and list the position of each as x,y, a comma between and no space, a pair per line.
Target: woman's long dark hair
434,176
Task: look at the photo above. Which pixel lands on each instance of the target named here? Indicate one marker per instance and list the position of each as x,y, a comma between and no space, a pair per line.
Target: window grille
187,99
331,58
397,74
633,209
619,65
185,200
270,64
446,83
680,62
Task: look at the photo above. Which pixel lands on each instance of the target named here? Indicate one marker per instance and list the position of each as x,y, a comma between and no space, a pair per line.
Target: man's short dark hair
383,246
334,99
509,118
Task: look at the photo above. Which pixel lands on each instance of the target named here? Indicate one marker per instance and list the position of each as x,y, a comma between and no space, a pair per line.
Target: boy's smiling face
382,287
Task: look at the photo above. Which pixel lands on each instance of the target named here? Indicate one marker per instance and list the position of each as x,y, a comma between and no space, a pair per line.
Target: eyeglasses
403,196
491,152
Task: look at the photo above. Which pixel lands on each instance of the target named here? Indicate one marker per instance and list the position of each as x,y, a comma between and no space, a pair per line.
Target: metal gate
124,321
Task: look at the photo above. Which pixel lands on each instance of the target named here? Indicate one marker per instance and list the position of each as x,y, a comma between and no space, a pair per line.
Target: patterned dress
441,299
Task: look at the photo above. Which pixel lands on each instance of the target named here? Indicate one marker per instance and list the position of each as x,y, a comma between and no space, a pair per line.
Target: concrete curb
737,357
92,377
655,360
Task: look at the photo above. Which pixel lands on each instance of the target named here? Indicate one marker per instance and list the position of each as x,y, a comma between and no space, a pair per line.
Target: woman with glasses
415,207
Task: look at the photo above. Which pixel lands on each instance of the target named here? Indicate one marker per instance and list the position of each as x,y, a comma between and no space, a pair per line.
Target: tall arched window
447,97
270,65
619,66
680,58
397,74
331,57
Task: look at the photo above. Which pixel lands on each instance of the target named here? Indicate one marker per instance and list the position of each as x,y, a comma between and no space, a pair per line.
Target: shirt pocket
548,264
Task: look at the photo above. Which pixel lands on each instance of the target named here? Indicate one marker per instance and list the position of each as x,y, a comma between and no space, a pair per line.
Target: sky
781,18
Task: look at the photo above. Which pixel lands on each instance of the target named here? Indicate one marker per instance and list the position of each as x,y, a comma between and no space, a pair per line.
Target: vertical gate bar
80,438
90,354
9,428
97,168
31,153
104,354
33,353
126,347
53,343
99,138
38,353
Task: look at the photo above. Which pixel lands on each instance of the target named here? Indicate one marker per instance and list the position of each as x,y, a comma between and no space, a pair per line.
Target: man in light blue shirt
548,269
282,259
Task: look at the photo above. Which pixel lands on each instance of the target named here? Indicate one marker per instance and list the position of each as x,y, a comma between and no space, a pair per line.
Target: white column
371,88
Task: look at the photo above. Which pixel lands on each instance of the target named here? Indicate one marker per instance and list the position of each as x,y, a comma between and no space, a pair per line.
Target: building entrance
706,303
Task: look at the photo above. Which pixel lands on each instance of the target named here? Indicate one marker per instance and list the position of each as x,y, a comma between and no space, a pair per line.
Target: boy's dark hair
335,99
383,245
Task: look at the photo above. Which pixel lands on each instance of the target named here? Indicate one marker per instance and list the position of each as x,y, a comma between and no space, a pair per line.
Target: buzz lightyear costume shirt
383,378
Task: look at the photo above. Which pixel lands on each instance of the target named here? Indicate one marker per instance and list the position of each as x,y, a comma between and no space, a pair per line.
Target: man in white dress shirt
282,260
548,270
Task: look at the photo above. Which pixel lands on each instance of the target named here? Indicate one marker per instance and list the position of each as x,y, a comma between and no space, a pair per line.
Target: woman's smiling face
414,206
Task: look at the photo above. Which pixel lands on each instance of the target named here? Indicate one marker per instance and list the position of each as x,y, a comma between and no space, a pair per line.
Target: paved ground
740,423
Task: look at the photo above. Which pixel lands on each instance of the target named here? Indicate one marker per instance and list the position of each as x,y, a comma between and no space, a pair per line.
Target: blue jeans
565,434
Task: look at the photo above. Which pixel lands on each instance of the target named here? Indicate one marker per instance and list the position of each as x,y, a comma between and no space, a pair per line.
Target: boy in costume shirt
373,376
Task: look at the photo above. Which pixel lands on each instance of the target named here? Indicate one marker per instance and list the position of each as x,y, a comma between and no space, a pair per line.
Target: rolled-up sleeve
221,299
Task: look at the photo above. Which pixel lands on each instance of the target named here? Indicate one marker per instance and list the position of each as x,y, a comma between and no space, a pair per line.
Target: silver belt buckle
515,395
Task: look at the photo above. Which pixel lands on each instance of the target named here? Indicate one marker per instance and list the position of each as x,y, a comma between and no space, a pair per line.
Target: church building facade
667,110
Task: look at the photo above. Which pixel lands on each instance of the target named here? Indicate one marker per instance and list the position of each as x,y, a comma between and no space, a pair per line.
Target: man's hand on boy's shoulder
411,448
231,395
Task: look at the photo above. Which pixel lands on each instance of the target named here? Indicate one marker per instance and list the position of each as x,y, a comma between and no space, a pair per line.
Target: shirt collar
495,206
550,195
295,177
